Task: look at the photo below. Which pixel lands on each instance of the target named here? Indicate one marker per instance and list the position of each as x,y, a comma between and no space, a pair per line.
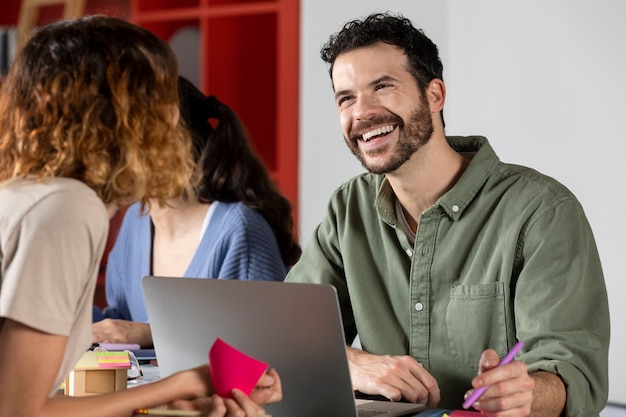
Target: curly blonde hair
96,99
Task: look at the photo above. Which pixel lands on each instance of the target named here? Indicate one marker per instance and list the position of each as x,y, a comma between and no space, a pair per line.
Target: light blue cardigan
238,243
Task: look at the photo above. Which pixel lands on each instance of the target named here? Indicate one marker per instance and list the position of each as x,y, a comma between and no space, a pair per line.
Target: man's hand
121,331
394,377
513,392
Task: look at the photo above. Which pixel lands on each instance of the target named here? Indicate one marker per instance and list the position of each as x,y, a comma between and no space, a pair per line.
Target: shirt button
409,252
419,306
455,208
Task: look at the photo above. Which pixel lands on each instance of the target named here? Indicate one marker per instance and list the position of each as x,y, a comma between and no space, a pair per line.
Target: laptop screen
294,327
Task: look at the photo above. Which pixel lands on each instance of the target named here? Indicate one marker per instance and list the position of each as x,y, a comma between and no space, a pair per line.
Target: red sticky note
231,368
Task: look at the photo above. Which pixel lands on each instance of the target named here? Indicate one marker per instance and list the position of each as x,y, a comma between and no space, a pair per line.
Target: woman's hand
121,331
268,390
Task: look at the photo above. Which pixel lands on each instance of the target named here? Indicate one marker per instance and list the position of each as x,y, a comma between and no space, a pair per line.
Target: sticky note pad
103,360
113,359
231,368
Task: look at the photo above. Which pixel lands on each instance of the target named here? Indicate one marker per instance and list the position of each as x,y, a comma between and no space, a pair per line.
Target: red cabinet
248,54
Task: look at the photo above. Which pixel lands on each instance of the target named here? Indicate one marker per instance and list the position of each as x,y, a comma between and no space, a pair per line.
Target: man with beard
444,257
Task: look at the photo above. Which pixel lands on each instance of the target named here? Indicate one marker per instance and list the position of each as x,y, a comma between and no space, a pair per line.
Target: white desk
150,373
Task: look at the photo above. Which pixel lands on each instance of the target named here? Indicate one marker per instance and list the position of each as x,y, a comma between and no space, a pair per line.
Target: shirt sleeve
321,263
561,306
58,249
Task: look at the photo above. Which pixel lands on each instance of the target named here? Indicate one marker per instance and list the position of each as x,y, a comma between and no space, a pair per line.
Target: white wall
543,80
325,160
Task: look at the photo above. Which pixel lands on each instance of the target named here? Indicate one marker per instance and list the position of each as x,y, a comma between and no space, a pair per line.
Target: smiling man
443,256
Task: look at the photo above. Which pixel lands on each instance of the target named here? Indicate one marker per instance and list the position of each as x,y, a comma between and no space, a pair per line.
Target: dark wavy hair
422,53
230,170
95,99
396,30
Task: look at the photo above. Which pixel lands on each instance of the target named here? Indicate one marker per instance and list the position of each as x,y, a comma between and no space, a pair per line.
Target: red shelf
248,58
151,14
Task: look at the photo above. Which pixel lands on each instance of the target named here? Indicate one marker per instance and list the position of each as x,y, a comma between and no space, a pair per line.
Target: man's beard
413,135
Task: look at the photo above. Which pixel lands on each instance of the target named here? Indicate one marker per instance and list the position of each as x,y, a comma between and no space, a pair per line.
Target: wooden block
81,383
98,373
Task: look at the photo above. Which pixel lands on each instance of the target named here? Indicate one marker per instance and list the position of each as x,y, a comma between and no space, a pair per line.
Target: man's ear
436,95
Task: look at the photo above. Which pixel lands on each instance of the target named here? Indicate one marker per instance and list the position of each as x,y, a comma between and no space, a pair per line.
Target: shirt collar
483,163
458,198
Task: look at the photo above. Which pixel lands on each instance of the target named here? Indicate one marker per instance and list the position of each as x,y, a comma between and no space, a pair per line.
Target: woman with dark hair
230,169
234,225
88,123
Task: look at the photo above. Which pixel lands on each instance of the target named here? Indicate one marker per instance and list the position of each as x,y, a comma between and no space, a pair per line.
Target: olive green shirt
507,254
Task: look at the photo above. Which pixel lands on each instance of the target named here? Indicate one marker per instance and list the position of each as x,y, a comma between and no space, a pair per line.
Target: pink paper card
231,368
465,413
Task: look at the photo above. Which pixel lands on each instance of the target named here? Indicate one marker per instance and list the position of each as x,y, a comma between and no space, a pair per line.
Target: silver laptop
296,328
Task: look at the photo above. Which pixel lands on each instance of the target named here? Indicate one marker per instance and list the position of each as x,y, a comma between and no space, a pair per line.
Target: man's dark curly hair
396,30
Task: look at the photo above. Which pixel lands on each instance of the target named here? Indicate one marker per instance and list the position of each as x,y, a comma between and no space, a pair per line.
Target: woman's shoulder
239,216
135,217
133,231
30,190
51,200
237,209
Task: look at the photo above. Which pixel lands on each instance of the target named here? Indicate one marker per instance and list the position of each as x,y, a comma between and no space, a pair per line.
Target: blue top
238,243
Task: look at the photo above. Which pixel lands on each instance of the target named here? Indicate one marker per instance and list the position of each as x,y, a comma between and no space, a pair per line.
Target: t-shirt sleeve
55,253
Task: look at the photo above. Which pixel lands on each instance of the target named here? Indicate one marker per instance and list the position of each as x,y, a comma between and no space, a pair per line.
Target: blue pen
480,391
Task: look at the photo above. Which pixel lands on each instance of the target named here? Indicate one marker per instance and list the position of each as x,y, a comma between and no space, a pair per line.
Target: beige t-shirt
52,237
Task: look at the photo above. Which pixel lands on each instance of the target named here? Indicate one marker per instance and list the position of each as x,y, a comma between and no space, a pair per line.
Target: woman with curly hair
88,123
236,224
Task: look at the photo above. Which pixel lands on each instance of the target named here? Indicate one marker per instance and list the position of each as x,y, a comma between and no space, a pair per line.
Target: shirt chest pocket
476,320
